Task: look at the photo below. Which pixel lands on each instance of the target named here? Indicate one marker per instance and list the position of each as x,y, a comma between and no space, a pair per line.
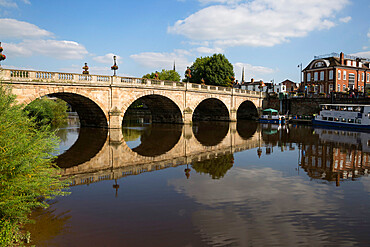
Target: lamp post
2,56
114,67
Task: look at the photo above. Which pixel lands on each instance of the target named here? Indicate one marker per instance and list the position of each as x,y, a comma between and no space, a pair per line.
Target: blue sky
267,37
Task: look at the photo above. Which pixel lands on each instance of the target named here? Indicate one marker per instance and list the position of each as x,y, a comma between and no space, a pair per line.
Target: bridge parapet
24,76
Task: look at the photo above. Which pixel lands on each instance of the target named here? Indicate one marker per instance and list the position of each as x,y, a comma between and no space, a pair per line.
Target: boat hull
340,124
274,121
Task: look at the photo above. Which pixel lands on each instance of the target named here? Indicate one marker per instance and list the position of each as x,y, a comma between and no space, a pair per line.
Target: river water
212,184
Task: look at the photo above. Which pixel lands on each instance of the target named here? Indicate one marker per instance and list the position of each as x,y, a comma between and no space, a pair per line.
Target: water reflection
48,224
336,156
215,167
192,193
155,139
89,143
210,133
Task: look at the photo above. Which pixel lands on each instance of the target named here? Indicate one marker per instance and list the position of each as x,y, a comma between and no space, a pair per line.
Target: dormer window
319,64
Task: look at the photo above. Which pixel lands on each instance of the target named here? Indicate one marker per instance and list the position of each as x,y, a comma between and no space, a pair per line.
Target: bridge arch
211,109
247,110
90,111
163,108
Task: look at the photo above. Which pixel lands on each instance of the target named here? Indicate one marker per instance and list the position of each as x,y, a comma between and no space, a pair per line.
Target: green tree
215,70
27,175
165,75
47,111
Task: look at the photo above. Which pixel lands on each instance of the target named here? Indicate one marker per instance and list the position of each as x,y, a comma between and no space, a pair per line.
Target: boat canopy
270,110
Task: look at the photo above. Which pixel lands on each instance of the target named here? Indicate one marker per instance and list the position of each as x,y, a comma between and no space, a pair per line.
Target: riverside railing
28,76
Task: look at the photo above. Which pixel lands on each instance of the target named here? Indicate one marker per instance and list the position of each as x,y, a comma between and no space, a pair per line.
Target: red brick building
336,73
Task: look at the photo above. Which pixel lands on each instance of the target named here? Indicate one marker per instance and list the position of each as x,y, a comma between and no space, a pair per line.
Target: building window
321,75
308,76
351,80
338,88
321,88
363,77
344,87
344,75
331,73
349,62
339,74
330,88
368,77
316,76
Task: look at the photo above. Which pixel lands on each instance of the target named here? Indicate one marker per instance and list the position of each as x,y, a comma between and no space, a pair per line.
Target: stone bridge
107,158
102,101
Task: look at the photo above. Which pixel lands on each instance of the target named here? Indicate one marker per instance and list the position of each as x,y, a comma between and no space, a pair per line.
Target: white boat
272,116
344,115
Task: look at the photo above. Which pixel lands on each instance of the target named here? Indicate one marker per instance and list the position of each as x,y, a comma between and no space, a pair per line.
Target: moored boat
271,116
344,115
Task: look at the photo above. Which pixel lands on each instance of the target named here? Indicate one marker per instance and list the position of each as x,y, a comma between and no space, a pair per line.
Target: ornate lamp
86,69
2,56
188,74
187,171
114,67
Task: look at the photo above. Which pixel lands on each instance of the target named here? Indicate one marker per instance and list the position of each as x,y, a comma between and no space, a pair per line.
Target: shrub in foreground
28,177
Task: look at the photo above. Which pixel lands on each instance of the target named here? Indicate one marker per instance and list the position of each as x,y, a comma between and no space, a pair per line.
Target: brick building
336,73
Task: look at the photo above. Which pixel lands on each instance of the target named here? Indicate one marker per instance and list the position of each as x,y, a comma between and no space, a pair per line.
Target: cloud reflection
259,207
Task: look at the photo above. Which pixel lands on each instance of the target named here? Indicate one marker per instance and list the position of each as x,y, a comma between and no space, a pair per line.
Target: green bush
28,177
47,111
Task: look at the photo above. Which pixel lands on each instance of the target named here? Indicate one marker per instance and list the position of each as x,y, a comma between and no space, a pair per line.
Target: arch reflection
210,133
246,128
158,139
89,143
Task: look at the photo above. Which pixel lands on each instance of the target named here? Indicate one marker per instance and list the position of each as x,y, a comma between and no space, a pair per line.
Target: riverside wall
309,106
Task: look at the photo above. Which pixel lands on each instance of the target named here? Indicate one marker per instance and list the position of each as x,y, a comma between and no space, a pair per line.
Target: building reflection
336,156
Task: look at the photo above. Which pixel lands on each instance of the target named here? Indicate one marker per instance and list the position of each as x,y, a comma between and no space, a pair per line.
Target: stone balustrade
13,75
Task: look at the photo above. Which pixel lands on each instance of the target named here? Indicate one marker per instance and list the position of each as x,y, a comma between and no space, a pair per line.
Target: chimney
252,80
341,58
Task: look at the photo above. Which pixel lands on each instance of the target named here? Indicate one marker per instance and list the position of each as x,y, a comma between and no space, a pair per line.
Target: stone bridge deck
102,101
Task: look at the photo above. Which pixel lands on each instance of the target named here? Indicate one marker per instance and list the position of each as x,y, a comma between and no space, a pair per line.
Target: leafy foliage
47,111
166,75
27,175
216,167
215,70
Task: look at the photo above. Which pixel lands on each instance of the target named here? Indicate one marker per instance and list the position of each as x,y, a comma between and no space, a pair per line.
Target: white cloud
158,61
345,19
252,71
368,34
257,22
8,4
208,50
107,58
11,28
59,49
364,54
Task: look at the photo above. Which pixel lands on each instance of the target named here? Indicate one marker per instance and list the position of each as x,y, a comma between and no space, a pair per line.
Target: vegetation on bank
215,70
48,111
165,75
28,177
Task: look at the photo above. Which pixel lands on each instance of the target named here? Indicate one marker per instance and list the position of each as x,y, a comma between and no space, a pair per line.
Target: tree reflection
47,224
216,168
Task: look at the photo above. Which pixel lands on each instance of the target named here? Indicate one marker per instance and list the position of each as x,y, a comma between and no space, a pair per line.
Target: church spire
174,66
243,75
